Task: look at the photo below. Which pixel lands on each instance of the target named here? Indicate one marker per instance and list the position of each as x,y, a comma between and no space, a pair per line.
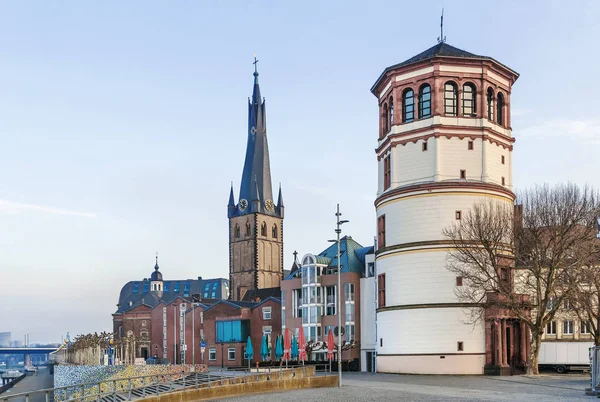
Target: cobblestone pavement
390,387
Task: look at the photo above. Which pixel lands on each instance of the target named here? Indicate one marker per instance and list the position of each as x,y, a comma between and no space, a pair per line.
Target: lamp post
339,223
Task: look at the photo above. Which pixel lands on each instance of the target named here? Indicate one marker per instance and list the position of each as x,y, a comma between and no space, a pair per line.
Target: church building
445,143
255,222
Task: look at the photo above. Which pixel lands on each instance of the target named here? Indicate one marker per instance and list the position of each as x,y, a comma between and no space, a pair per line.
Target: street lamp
339,294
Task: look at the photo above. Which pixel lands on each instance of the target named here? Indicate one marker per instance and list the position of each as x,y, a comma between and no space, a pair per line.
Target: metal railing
139,387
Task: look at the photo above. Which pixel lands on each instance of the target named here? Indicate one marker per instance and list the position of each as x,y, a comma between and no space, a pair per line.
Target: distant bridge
27,351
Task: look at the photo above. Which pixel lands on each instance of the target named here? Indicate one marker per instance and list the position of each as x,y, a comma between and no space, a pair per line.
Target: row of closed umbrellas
286,347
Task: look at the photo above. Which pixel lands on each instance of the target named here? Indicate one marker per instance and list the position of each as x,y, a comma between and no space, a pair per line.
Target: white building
445,143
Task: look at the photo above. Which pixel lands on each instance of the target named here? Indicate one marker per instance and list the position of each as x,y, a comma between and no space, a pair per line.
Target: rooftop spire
280,198
442,38
231,198
256,176
156,265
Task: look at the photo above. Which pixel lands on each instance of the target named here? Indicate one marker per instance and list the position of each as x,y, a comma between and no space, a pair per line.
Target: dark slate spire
231,204
280,202
257,171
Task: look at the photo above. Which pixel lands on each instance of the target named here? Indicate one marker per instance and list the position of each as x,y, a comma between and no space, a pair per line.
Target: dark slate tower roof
441,49
156,275
256,193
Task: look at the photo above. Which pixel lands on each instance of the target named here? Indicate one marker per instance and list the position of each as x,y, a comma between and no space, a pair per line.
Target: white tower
445,143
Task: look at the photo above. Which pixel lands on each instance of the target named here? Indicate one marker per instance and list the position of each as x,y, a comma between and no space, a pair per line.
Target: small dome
156,275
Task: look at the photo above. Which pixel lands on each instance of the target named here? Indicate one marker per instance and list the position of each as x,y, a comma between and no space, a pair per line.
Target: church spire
231,203
256,176
280,206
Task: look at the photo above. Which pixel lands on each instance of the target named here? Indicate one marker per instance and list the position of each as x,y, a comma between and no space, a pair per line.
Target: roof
254,295
255,187
441,49
351,257
244,304
136,293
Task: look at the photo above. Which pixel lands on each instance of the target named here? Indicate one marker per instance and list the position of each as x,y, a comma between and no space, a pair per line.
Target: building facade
445,143
153,302
309,299
255,222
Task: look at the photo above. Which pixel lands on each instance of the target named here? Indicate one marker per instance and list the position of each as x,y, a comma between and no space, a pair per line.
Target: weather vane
442,38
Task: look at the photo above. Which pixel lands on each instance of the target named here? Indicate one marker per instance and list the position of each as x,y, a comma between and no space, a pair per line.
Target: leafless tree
524,263
584,299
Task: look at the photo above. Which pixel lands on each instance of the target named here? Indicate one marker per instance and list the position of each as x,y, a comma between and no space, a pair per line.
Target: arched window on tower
236,231
469,97
263,229
274,231
500,109
391,112
424,101
247,228
490,104
386,122
408,106
450,99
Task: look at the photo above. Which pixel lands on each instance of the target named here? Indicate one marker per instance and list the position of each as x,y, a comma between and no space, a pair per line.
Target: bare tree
524,264
584,299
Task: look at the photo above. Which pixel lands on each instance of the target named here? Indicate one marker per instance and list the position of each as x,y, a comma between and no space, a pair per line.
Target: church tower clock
255,222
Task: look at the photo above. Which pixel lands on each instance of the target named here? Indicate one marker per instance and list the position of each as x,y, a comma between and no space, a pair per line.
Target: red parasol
287,345
330,345
302,346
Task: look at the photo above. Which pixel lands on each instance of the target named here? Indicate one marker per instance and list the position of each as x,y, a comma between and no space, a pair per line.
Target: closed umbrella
264,348
278,348
287,346
294,348
330,346
249,351
302,342
269,346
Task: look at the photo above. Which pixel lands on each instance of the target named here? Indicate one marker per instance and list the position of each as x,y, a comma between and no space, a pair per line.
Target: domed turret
156,279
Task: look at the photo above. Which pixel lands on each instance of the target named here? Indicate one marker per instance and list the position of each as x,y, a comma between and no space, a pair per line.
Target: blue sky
122,125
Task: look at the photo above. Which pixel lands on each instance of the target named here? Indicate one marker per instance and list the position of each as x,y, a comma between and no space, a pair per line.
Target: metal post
193,336
339,311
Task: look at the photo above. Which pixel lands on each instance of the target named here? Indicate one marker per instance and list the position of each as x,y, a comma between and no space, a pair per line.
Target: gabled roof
441,49
252,294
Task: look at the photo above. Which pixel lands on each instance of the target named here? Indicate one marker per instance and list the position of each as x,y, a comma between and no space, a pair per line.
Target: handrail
126,385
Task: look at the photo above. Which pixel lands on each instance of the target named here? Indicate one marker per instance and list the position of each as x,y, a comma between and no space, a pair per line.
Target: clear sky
122,125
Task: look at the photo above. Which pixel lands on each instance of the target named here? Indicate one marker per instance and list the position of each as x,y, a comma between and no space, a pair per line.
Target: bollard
269,374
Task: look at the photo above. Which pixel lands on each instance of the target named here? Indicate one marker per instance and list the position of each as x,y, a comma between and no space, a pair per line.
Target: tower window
503,181
459,346
263,229
387,173
450,99
381,231
424,146
247,228
469,100
470,145
274,231
424,101
500,109
490,104
502,159
408,106
386,122
459,281
381,290
391,112
458,216
463,174
237,231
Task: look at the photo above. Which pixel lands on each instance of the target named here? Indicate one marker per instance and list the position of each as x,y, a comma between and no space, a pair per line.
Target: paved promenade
389,387
39,380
